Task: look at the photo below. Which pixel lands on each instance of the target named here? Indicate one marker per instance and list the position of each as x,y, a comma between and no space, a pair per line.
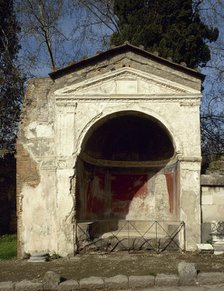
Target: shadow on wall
113,182
7,194
117,208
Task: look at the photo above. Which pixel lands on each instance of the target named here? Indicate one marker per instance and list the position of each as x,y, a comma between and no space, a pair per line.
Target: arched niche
127,170
127,138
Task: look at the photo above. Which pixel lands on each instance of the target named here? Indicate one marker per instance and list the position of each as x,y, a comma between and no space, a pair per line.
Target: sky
78,38
213,92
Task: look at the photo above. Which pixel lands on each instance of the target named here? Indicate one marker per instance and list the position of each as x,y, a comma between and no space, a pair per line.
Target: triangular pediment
125,81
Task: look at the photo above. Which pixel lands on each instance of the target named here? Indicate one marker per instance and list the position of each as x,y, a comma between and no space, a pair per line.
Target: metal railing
129,235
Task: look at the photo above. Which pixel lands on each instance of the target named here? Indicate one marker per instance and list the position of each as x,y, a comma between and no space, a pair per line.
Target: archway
128,137
126,170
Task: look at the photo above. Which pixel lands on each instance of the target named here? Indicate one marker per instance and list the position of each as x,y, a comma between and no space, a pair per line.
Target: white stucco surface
48,210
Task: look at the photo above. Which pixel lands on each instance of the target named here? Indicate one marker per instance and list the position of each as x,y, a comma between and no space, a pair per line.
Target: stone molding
212,180
127,164
184,100
136,82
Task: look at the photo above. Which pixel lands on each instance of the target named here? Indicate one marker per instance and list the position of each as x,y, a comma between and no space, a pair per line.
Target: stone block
68,285
212,180
207,199
218,196
40,254
7,286
51,280
205,248
210,278
187,273
191,288
219,246
215,288
212,212
174,288
166,280
206,232
39,257
141,281
119,281
217,253
37,260
26,285
91,283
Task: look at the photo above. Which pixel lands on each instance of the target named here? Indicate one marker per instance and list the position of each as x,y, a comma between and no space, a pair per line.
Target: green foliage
7,247
55,256
11,82
172,28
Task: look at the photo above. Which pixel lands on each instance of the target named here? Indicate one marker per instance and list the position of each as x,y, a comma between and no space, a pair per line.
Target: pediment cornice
126,81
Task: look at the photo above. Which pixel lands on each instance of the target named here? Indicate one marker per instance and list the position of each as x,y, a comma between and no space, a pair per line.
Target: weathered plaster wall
190,209
128,194
44,202
212,201
55,120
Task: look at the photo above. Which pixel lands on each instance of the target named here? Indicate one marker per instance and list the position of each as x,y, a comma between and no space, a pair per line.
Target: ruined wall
44,201
212,200
57,116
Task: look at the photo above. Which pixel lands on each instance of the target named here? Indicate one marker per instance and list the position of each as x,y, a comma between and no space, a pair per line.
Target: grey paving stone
119,281
192,288
141,281
91,283
37,260
215,288
210,278
26,285
40,254
68,285
166,280
158,289
7,286
187,273
175,288
51,280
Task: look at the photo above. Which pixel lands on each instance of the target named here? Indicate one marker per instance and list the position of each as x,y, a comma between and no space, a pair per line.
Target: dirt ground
108,265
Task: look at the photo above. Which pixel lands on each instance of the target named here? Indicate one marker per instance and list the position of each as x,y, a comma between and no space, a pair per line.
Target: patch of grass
55,256
7,247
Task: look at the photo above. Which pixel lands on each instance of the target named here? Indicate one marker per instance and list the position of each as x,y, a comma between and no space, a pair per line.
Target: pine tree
11,83
172,28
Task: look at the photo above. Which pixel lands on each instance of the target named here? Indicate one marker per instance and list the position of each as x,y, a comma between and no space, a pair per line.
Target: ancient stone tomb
110,139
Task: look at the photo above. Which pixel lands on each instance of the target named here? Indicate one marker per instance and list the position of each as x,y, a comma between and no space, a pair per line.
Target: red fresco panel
124,188
169,182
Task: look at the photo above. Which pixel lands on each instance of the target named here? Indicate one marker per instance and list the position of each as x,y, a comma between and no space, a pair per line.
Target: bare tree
42,29
95,25
212,110
102,11
55,32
